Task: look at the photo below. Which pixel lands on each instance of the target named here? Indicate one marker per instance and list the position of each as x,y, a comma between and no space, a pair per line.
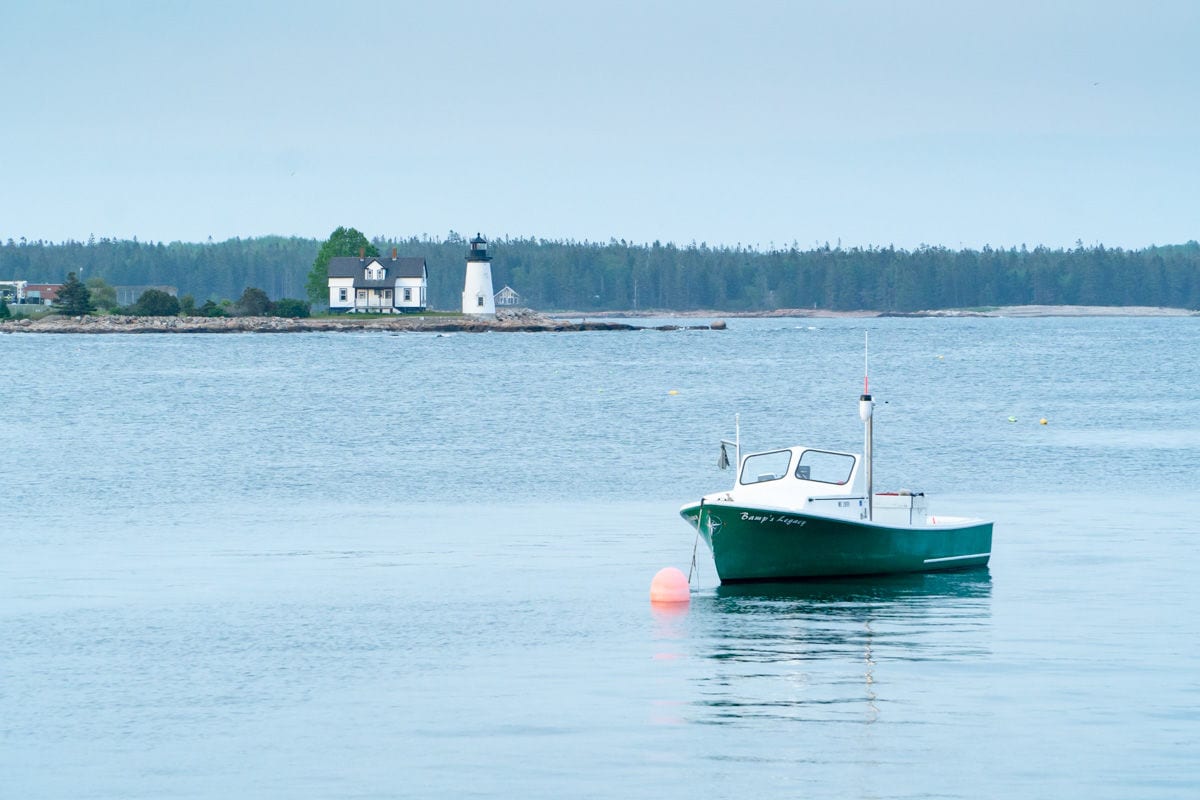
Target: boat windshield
762,467
817,465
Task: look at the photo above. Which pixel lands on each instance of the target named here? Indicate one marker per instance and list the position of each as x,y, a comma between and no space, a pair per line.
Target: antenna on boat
865,413
866,362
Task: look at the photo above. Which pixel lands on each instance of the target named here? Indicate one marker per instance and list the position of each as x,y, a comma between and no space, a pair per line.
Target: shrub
290,307
211,309
155,303
103,296
253,303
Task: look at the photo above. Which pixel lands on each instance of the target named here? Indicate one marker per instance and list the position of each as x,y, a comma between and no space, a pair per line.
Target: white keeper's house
377,284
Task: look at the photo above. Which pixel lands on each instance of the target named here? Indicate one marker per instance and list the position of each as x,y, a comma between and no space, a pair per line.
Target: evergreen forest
621,276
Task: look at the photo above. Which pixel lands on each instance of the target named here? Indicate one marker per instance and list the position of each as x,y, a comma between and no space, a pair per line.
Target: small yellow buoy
1042,421
673,391
670,586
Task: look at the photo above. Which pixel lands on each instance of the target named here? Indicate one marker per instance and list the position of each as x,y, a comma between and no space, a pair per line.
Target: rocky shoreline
508,321
519,321
821,313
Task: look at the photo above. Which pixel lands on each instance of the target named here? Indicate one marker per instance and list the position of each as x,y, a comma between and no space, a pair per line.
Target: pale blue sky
949,123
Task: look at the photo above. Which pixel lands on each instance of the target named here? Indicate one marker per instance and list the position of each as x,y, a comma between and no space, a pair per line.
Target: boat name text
763,519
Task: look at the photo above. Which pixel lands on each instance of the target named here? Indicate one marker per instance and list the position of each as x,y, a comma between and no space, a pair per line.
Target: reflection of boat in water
802,512
926,607
832,650
919,612
920,587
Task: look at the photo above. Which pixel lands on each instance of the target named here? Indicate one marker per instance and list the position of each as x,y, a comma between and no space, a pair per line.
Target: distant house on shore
378,285
44,293
507,297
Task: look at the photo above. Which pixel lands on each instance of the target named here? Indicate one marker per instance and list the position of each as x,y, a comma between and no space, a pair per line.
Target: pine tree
74,298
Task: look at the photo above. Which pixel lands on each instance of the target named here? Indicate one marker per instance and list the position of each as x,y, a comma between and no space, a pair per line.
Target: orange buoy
670,586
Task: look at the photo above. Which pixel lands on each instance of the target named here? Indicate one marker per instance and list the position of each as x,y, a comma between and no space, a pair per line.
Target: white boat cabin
821,482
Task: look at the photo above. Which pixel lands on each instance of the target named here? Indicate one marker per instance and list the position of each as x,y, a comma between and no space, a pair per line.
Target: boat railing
837,497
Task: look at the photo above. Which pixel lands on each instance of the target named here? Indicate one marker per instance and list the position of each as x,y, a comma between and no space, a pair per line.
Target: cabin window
762,467
817,465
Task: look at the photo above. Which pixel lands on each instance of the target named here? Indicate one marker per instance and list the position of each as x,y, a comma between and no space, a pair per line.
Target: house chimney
393,254
362,254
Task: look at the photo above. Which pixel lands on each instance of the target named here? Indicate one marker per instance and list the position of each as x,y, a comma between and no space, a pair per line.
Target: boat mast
865,407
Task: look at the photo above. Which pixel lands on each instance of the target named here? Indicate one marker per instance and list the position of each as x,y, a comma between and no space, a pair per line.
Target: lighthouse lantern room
478,297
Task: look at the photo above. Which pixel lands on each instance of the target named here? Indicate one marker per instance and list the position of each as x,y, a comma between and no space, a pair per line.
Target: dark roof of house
353,266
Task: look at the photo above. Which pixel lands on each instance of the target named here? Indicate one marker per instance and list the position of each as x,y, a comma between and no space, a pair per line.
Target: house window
479,301
387,294
407,295
342,295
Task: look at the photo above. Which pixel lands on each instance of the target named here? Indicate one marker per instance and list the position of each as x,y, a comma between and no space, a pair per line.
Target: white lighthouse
477,290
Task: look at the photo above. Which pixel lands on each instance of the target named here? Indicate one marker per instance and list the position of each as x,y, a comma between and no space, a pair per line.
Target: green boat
801,512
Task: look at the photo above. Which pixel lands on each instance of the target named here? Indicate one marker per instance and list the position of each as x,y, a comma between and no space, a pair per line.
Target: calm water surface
373,565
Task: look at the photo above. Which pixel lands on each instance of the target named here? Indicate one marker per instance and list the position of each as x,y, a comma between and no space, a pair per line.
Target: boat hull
754,544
